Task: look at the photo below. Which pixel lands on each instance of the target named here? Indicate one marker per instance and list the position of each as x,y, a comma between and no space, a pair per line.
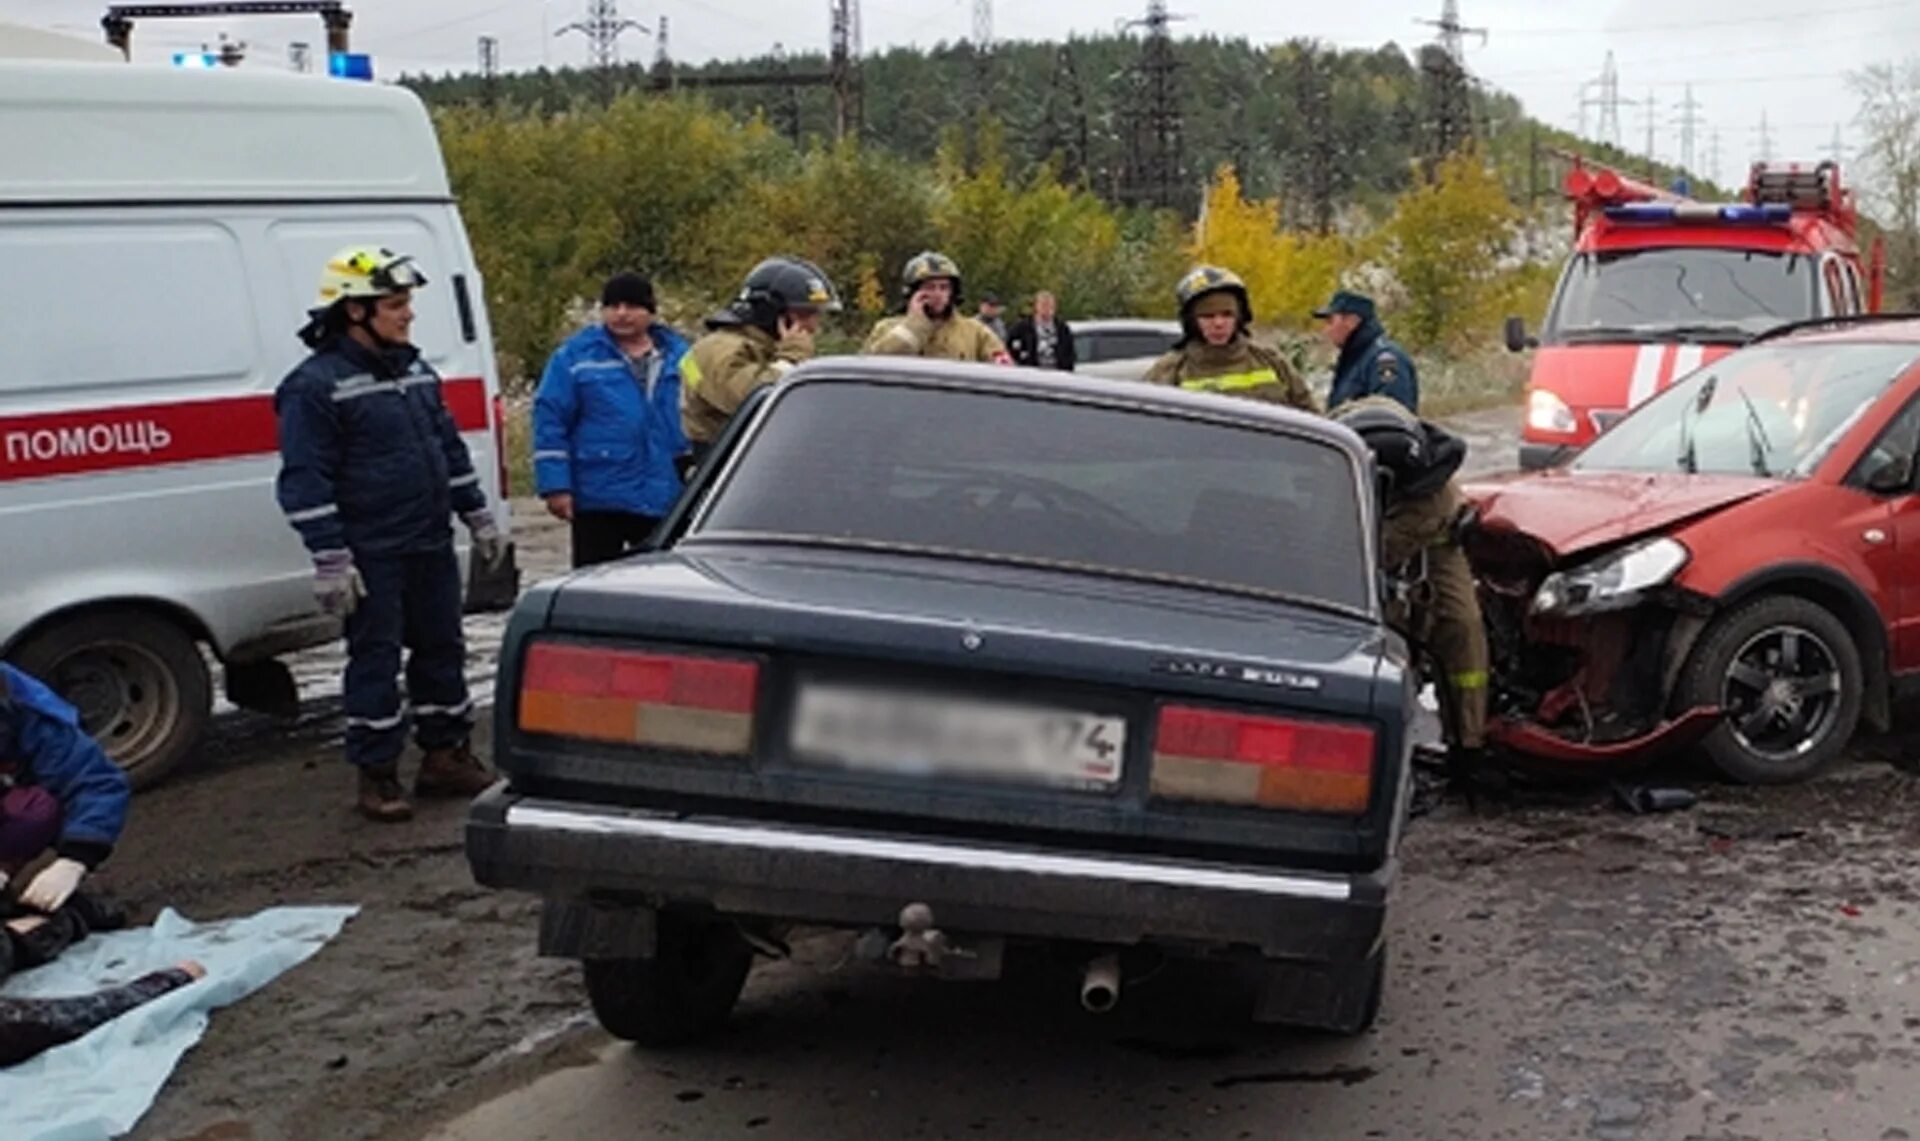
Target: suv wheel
684,992
1788,676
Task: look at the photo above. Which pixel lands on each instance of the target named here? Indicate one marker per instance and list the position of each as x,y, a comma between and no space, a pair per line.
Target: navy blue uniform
373,464
1370,364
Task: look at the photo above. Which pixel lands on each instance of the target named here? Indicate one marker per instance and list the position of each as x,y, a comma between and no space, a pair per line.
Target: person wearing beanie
606,424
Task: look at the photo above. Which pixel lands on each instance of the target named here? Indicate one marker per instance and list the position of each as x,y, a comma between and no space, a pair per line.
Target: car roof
1124,325
1073,388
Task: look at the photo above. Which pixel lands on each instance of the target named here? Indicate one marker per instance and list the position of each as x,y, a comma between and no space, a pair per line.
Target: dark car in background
969,660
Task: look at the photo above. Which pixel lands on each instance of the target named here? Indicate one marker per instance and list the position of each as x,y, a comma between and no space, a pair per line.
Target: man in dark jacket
1042,340
372,470
62,793
1370,364
606,425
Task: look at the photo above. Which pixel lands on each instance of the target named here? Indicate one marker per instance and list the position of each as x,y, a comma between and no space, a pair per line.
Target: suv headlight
1614,582
1546,412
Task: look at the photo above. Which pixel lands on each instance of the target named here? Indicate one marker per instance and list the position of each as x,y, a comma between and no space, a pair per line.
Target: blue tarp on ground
98,1086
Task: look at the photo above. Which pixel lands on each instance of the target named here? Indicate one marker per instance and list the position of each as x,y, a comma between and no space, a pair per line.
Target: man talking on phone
933,325
765,331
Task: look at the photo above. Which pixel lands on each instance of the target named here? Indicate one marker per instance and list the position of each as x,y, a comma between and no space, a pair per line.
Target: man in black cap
606,424
988,314
1370,363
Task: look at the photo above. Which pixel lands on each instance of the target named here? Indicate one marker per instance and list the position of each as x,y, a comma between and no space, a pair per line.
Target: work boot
382,800
450,772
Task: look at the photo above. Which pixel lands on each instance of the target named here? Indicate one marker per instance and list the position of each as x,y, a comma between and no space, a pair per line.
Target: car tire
685,992
1788,675
138,679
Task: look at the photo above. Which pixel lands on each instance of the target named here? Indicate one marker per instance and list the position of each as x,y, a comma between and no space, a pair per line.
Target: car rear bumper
859,879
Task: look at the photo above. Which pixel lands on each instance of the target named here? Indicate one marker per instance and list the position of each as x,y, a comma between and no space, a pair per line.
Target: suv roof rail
1836,321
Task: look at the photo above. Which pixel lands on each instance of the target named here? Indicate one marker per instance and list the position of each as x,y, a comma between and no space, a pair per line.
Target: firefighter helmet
1420,456
773,287
926,266
1201,281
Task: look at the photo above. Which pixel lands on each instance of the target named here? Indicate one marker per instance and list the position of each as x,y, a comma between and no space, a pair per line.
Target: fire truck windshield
1688,293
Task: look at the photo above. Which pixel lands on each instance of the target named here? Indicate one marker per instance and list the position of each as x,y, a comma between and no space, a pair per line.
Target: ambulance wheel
138,680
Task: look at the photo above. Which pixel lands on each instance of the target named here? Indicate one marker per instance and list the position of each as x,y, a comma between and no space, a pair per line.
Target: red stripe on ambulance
95,440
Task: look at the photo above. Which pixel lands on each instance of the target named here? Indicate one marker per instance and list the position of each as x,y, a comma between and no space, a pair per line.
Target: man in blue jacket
372,471
1370,364
61,793
606,424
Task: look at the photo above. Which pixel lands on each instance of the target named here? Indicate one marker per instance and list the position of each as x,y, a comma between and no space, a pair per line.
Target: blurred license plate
928,735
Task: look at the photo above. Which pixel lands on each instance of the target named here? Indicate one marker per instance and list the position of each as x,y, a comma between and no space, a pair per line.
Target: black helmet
1199,282
1420,456
924,267
774,286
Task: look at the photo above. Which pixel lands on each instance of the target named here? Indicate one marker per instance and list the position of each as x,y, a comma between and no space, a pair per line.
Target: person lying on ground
30,1026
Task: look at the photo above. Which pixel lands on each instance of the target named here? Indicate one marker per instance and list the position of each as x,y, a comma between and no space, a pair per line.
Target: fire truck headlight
1546,412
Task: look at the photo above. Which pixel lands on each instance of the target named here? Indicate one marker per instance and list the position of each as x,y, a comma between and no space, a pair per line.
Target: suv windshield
1769,410
1657,291
1008,477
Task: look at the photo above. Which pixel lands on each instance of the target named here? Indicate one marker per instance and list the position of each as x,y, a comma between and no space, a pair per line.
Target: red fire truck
1660,284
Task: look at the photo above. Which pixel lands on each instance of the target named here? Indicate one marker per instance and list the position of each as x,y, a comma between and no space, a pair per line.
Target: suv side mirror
1516,335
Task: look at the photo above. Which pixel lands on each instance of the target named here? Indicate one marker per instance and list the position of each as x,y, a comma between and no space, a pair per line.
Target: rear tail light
1274,762
662,701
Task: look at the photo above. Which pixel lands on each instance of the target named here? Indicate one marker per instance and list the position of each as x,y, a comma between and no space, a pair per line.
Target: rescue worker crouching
1216,352
372,470
765,331
933,325
1440,612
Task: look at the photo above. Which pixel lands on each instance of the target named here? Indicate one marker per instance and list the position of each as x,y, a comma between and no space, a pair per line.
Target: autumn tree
1890,118
1449,248
1288,272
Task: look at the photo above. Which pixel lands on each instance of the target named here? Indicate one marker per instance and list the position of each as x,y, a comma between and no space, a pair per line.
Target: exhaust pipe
1100,986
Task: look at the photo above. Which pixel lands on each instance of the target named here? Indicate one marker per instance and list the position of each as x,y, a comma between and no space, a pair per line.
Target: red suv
1736,562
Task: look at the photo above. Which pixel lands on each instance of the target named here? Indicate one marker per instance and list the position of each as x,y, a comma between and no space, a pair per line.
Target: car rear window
1034,480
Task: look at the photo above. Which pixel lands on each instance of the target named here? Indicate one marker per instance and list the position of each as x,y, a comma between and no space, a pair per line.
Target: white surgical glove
54,885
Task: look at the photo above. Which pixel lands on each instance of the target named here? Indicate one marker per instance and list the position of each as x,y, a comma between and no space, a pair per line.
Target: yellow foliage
1287,272
1449,243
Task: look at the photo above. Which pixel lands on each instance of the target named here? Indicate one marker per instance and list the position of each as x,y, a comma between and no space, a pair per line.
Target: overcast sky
1786,59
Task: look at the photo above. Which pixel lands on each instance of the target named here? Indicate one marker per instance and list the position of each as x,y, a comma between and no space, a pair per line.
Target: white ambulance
162,232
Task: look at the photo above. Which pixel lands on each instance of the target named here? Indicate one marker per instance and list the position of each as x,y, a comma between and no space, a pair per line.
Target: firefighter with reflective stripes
765,331
372,471
1216,353
933,325
1436,605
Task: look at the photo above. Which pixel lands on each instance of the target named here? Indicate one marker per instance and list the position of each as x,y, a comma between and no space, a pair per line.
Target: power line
1689,121
1155,174
1449,93
603,27
489,69
1825,13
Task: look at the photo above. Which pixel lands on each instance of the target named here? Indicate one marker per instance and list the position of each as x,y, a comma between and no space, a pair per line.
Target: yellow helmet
927,265
367,271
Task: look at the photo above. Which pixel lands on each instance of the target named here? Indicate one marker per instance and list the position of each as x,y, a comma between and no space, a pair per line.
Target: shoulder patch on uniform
1387,367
